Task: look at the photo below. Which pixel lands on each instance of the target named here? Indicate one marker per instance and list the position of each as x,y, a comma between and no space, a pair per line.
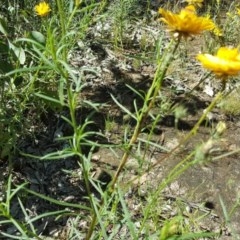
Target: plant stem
63,26
148,104
190,134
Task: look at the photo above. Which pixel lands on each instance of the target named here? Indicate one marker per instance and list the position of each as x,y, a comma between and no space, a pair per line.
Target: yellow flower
238,11
217,31
230,14
225,63
197,3
186,23
78,2
42,9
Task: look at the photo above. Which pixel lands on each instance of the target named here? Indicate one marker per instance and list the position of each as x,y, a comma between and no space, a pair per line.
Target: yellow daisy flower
197,3
186,23
225,63
42,9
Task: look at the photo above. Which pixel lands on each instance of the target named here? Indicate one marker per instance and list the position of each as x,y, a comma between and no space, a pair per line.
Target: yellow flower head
217,31
225,63
42,9
238,10
186,23
197,3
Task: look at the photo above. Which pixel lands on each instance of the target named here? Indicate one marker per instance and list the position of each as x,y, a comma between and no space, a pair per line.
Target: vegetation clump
112,122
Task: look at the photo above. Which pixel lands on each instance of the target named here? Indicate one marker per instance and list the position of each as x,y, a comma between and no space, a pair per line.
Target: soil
206,189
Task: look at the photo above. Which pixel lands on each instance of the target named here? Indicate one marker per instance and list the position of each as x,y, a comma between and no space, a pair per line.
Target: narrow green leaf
124,108
39,37
60,203
3,26
50,99
18,52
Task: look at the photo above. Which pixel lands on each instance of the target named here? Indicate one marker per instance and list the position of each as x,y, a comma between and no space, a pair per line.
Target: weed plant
37,77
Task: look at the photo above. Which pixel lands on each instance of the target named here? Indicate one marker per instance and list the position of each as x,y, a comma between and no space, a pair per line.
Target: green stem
148,105
149,102
177,171
63,26
188,136
70,95
71,17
